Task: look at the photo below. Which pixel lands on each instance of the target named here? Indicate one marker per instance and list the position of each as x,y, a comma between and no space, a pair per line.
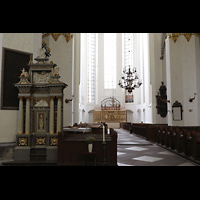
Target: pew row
183,140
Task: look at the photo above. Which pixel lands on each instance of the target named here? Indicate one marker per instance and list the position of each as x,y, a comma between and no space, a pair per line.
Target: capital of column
20,98
52,98
59,98
27,98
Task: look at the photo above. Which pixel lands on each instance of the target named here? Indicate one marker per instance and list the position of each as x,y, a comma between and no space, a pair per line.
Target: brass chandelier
130,79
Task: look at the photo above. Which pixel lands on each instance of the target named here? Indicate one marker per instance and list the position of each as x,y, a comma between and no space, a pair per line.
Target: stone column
59,117
27,123
21,116
51,121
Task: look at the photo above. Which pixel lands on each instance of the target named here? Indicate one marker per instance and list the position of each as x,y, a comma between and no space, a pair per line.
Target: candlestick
104,153
103,133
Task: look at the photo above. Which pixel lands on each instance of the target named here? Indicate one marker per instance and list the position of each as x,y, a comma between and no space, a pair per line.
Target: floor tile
166,153
129,143
147,158
120,153
123,164
186,164
137,148
125,139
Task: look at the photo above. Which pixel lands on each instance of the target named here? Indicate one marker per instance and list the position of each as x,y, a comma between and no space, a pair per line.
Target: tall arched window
110,60
91,67
128,60
128,49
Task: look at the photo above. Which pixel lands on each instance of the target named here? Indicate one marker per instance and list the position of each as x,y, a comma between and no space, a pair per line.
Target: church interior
103,99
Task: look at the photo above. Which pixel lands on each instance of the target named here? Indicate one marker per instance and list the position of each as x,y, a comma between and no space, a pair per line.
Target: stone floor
136,151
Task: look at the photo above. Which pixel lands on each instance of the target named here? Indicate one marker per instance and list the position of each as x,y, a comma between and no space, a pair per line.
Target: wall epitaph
40,98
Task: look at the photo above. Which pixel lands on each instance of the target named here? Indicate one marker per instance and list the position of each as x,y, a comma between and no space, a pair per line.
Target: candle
103,133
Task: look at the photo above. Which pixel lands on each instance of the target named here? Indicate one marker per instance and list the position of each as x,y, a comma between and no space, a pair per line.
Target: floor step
29,163
38,154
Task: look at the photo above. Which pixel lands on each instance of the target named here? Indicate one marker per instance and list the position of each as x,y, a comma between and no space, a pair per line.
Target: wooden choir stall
73,146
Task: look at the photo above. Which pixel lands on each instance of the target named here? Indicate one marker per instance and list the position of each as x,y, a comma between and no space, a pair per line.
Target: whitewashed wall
26,42
157,74
61,54
182,70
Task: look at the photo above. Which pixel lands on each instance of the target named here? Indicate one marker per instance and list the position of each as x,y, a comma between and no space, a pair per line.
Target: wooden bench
183,140
125,125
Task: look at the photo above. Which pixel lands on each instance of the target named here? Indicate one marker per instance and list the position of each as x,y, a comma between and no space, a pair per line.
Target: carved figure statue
24,73
41,53
41,122
55,71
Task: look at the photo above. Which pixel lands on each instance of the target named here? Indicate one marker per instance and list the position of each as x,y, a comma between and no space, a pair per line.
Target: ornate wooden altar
110,111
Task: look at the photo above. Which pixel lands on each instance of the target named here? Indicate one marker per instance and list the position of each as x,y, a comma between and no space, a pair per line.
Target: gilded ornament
23,81
59,98
174,36
55,71
44,42
20,98
55,36
40,141
52,98
24,73
23,141
53,141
